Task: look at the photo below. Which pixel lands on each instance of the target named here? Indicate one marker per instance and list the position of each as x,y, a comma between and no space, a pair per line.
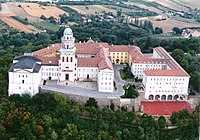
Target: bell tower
67,61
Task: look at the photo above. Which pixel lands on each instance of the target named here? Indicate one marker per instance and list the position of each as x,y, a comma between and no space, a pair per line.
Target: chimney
48,47
79,42
53,45
112,45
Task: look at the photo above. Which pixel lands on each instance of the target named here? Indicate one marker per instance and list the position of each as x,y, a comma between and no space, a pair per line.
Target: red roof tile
165,73
47,50
162,108
88,62
49,60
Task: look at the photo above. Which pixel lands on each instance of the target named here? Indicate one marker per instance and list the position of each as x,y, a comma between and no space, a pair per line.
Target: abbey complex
68,62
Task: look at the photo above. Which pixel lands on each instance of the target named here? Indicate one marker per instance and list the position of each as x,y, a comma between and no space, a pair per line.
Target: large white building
68,62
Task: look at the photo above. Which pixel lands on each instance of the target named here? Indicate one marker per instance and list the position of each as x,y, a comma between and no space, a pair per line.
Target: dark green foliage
43,17
158,30
91,102
63,19
23,21
130,91
126,73
177,31
51,116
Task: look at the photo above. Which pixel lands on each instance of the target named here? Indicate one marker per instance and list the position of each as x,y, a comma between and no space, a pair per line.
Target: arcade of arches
169,97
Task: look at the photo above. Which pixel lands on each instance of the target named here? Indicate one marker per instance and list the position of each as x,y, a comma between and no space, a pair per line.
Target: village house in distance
68,62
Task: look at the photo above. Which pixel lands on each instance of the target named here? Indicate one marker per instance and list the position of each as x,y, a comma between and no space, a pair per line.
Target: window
67,59
63,59
22,81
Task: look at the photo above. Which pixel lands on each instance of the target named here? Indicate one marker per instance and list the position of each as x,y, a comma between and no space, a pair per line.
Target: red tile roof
119,48
162,108
165,73
88,62
91,47
175,68
49,60
87,48
47,50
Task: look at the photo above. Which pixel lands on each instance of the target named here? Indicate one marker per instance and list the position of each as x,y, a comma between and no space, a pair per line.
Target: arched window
157,97
169,97
150,97
163,97
175,97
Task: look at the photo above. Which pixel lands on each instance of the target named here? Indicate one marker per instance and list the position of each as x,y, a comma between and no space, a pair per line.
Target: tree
112,106
43,17
130,92
177,30
162,122
70,132
63,19
158,30
92,103
54,135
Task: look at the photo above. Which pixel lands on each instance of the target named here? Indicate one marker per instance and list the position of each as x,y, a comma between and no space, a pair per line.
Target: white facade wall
21,82
83,72
105,80
138,68
165,85
67,68
49,72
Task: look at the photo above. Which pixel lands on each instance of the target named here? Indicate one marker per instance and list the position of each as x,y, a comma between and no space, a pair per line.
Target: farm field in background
191,3
6,11
16,25
91,9
168,24
15,8
46,25
141,5
114,7
37,10
169,4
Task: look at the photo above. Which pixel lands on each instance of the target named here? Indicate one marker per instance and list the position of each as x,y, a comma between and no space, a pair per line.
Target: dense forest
50,116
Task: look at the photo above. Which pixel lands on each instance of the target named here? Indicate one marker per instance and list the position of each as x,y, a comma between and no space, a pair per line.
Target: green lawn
46,25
